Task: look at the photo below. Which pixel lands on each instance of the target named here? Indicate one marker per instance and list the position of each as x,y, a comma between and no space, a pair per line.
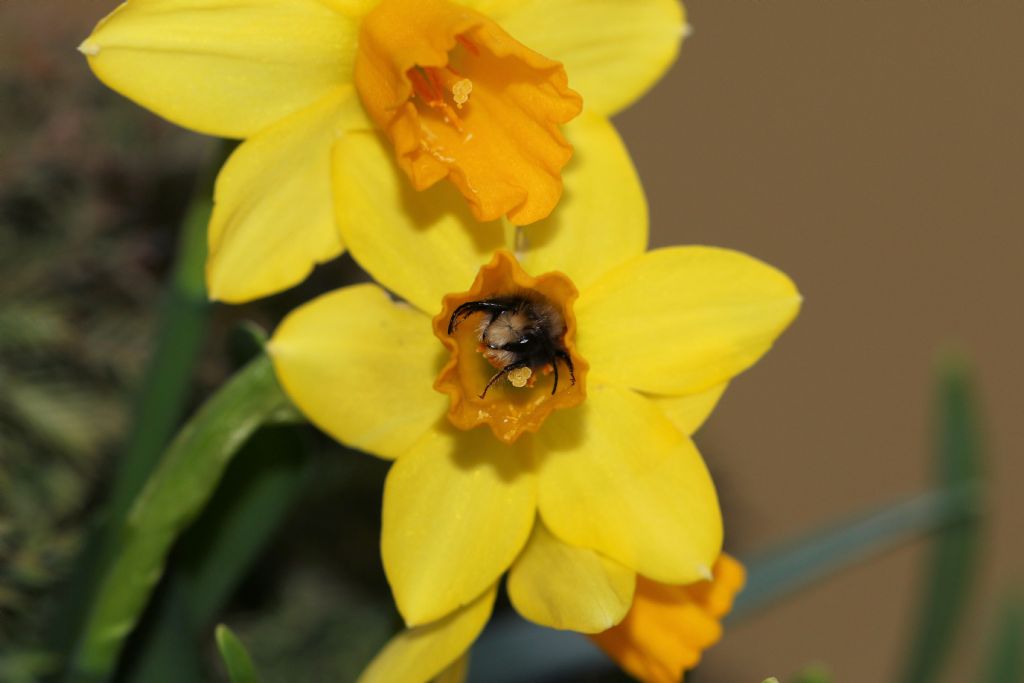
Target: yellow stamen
461,90
519,377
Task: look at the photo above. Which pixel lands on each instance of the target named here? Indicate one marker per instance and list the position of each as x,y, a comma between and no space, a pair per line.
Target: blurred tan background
874,151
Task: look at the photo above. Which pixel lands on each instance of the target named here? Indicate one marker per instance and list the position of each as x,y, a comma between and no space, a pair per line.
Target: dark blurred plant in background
85,229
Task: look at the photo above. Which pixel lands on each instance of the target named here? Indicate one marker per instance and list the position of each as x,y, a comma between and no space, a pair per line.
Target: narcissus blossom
602,483
475,91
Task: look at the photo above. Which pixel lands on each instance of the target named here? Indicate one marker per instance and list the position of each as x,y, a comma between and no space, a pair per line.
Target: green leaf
183,320
1006,660
174,495
773,574
812,674
213,557
240,668
954,553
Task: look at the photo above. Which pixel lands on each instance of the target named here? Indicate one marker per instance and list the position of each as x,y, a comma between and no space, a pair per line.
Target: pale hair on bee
518,332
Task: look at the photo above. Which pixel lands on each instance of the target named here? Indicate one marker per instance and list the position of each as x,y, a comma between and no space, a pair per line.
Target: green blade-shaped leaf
236,658
215,554
1006,660
812,674
778,572
183,319
954,553
175,493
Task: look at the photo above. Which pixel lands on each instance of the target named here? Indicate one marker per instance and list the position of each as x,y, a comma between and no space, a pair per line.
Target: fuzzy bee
519,334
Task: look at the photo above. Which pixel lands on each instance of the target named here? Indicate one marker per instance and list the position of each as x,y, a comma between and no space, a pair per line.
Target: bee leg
554,366
501,373
568,363
470,307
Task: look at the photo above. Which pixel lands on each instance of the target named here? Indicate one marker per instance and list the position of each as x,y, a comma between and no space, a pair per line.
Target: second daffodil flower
576,489
475,91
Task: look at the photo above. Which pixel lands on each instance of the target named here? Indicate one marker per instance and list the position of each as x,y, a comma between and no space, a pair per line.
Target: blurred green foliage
1006,659
84,226
812,674
173,496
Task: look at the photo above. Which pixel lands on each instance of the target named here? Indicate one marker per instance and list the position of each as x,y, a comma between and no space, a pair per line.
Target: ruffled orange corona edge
668,628
462,99
507,410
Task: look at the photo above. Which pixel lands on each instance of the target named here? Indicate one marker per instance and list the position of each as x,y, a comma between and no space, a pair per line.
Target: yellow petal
689,412
273,218
223,67
420,245
562,586
613,51
456,672
683,319
360,367
458,508
616,476
419,654
601,221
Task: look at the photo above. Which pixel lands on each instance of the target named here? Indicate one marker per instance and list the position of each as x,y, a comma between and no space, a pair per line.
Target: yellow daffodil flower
575,490
474,91
668,628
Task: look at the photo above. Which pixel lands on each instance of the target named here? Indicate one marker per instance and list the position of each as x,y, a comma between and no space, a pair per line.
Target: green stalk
1006,658
165,387
213,557
181,332
946,584
174,495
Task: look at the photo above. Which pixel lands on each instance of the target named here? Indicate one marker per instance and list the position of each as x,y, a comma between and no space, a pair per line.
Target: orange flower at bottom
669,627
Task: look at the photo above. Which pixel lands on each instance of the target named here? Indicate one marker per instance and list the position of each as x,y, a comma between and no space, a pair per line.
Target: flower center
461,99
511,342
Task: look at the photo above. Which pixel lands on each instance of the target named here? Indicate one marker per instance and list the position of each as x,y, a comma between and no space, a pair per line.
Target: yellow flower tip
517,327
417,63
89,48
669,627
